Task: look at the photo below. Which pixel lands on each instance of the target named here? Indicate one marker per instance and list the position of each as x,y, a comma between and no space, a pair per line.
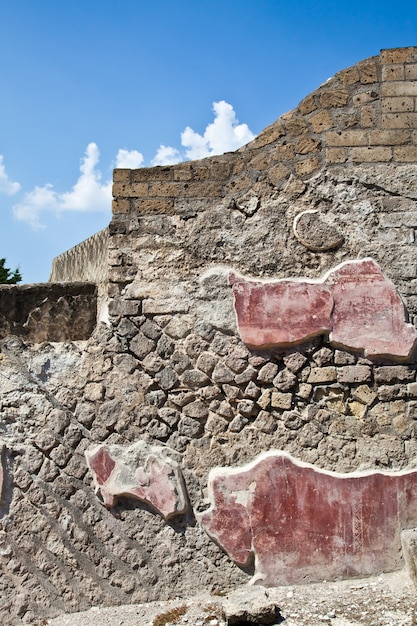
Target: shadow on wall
48,311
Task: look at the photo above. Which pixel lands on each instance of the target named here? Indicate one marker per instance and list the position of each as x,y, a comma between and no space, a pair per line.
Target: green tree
7,276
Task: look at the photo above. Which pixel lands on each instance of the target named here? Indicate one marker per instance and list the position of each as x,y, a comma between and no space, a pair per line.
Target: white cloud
7,186
224,134
130,159
166,155
88,194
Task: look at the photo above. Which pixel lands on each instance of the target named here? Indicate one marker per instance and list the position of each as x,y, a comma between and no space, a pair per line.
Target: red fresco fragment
354,302
148,473
304,524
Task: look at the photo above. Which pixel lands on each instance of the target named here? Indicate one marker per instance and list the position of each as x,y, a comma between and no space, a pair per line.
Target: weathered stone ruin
258,330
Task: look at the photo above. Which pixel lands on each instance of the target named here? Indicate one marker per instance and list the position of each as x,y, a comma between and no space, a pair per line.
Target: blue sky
89,84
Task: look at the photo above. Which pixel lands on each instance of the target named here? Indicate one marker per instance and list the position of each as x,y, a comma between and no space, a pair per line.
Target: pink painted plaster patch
354,302
303,524
151,474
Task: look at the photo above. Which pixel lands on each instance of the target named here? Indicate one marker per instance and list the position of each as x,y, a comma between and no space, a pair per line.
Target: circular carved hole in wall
316,232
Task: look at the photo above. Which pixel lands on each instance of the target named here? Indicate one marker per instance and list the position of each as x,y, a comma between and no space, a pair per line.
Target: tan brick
170,190
281,400
284,153
307,144
130,190
345,120
304,168
238,166
296,126
221,170
354,374
364,97
398,104
269,135
261,161
154,206
388,137
364,394
347,138
321,121
369,116
121,176
265,399
406,154
399,88
369,73
202,189
393,72
379,414
183,171
336,98
322,375
278,174
371,155
304,391
399,120
152,173
308,105
201,172
348,76
397,55
400,422
120,205
336,155
236,185
411,71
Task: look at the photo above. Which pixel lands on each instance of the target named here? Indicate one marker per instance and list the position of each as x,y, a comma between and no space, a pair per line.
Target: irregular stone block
151,474
305,524
354,374
355,303
250,606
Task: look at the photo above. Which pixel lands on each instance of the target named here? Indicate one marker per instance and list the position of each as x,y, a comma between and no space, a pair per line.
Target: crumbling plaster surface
170,367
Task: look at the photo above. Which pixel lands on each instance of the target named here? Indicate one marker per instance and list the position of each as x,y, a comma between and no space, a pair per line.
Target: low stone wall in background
86,262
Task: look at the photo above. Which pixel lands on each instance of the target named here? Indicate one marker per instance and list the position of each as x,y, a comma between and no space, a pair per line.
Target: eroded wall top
365,114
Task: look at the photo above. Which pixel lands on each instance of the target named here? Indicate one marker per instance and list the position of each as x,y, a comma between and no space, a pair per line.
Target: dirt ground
386,600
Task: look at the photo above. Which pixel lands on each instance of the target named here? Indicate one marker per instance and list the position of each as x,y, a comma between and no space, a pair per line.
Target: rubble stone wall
49,311
171,369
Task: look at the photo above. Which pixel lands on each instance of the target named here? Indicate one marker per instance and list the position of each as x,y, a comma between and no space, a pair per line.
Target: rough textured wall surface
85,262
332,181
49,311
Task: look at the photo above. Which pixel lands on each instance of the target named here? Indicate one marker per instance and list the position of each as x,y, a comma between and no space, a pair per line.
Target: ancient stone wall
85,262
48,312
329,184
